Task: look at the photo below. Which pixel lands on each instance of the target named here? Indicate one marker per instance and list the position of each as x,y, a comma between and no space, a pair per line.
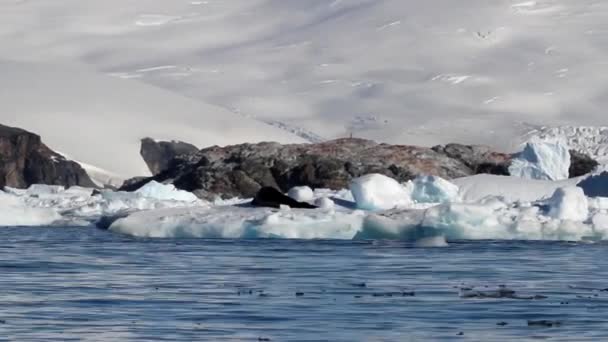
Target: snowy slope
99,120
401,71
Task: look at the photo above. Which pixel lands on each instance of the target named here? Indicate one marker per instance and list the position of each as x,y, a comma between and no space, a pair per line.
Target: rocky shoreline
242,170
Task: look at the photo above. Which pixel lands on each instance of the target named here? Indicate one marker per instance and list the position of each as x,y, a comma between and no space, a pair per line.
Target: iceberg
543,160
378,192
569,204
433,189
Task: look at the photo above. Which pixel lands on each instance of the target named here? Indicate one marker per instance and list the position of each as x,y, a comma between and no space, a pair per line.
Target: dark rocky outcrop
25,160
581,164
158,155
479,159
273,198
242,170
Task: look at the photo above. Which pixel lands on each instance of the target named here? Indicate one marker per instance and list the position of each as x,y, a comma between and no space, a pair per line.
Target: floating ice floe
428,211
15,212
241,223
54,205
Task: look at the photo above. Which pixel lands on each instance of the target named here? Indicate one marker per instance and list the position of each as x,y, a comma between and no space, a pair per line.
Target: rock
479,159
25,160
581,164
273,198
242,170
158,155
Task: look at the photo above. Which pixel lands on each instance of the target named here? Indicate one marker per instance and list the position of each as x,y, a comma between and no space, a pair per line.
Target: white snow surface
99,120
98,75
379,192
542,160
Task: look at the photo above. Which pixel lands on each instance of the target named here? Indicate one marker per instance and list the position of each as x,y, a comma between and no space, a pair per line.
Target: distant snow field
93,77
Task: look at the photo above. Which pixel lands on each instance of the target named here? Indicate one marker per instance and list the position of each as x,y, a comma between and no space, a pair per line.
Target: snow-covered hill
400,71
99,120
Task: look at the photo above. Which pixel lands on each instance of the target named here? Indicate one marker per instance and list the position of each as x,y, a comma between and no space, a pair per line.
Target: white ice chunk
433,189
543,160
325,203
301,194
379,192
165,192
569,204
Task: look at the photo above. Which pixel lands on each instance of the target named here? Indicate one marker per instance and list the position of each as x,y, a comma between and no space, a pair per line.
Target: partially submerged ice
542,160
427,211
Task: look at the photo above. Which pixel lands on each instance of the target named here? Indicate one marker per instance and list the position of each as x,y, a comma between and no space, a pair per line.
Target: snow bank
241,223
569,204
165,192
301,194
433,189
379,192
543,160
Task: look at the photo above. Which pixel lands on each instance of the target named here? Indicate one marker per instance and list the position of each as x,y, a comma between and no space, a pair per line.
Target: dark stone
242,170
159,155
25,160
479,159
581,164
273,198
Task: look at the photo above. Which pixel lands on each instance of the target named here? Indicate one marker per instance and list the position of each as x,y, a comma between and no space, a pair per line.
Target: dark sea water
93,285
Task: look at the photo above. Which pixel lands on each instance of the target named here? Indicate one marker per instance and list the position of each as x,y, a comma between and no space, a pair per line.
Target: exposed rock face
581,164
158,155
242,170
479,159
25,160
